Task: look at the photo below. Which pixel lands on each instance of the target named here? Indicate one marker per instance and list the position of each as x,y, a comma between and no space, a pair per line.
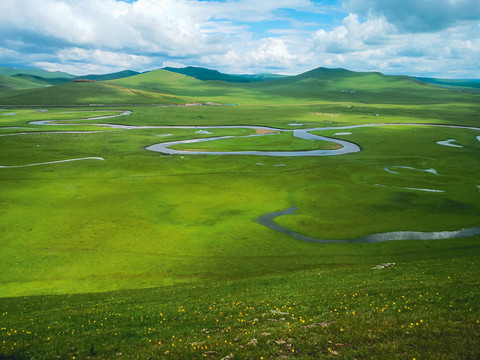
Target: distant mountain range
207,74
111,76
468,83
194,85
9,71
16,78
13,78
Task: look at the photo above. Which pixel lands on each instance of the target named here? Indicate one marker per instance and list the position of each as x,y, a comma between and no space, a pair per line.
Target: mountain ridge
206,74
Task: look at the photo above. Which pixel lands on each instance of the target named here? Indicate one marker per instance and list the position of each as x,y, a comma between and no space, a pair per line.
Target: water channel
346,147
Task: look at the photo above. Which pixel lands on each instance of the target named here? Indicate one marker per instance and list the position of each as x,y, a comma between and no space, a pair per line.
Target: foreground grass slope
426,307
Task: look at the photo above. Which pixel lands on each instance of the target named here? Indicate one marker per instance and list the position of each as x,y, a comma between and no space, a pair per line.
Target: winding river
268,221
53,162
346,147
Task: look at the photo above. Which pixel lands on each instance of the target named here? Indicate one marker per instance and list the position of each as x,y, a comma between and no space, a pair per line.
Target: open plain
130,215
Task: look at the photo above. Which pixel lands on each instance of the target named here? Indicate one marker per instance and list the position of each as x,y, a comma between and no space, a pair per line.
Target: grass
81,93
127,220
15,82
131,254
319,85
425,308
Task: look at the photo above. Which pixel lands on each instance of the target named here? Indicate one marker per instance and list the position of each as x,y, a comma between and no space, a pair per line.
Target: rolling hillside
163,82
19,82
207,74
21,79
80,93
345,85
111,76
9,71
460,84
172,87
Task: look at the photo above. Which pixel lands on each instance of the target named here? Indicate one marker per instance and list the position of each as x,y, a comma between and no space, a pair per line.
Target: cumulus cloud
168,27
110,35
376,45
272,54
353,35
418,15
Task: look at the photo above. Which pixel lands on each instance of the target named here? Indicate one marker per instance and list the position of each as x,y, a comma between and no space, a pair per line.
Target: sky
434,38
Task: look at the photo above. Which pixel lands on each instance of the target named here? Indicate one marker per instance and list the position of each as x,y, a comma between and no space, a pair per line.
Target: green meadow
130,253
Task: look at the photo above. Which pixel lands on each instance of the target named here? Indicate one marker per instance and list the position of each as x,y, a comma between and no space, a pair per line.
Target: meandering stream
346,147
268,221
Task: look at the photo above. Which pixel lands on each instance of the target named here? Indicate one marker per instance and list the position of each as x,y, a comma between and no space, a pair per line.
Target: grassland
145,255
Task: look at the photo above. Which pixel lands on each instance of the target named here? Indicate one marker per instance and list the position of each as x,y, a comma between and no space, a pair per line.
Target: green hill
158,80
18,82
22,81
43,81
81,93
9,71
163,82
111,76
346,85
463,84
157,87
167,87
207,74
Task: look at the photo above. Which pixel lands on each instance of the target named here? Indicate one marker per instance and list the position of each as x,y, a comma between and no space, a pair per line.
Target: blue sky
438,38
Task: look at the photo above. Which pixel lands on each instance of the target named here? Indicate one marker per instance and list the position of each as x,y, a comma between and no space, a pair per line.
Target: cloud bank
423,37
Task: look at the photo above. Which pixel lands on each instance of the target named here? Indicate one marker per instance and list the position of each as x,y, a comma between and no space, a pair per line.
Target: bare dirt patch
326,114
265,131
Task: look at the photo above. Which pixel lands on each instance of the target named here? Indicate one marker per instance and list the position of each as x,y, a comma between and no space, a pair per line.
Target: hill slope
20,82
473,84
9,71
81,93
207,74
346,85
167,87
21,79
110,76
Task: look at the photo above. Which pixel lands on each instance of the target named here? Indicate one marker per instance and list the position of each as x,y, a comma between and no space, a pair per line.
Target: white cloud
110,35
80,61
102,57
352,35
272,50
167,27
419,15
271,54
377,45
